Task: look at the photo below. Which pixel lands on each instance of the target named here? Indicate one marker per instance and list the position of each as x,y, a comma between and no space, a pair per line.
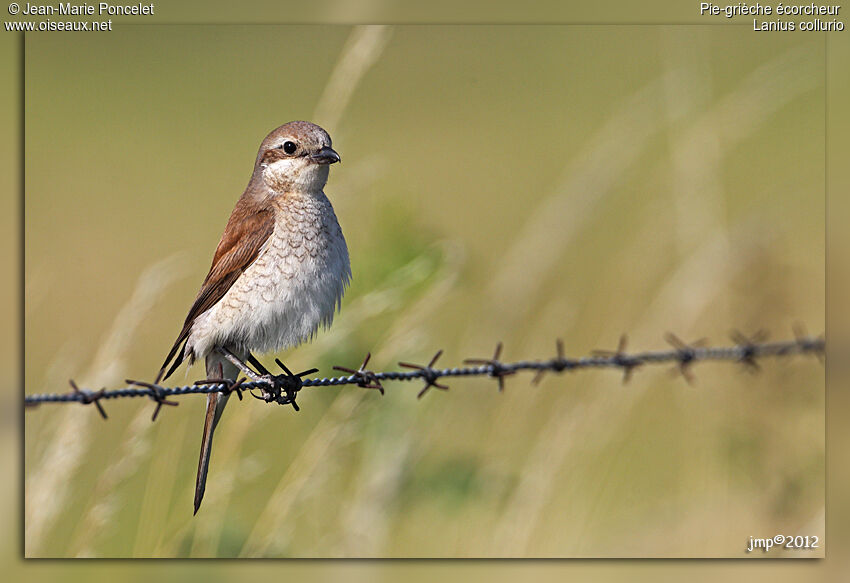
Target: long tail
217,368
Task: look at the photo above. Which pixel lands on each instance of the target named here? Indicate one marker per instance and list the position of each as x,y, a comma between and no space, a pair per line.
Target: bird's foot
282,388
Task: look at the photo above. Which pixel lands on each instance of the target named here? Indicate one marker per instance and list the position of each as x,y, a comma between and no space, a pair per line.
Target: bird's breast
293,287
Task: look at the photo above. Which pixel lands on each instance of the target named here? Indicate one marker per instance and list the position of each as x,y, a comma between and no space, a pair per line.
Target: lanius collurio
278,273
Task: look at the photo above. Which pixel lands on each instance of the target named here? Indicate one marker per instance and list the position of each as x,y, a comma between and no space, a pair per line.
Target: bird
278,273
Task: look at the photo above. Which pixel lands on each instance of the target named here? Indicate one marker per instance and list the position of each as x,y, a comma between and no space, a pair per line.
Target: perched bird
278,273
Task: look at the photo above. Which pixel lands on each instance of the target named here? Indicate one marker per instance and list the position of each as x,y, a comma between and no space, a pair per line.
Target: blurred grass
513,183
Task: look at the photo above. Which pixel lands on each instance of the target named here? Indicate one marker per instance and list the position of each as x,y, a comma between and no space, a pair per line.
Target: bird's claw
282,388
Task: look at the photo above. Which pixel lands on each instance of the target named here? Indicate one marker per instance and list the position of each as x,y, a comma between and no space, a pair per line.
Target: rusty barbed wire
283,388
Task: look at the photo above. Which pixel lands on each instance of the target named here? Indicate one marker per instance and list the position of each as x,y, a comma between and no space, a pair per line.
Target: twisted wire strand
746,352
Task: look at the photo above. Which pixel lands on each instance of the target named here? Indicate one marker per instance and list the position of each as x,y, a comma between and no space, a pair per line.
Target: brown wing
244,236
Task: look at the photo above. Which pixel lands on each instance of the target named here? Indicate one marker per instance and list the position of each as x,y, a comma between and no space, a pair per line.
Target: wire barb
558,364
158,394
366,379
497,369
620,358
428,374
687,355
748,346
89,398
806,343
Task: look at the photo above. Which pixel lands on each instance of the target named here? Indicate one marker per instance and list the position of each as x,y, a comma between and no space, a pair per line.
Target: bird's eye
289,147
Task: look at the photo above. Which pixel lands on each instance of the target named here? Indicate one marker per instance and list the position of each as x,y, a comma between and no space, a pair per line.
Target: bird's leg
235,384
282,388
238,363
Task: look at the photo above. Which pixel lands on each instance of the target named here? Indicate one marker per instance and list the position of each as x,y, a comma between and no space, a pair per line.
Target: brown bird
278,273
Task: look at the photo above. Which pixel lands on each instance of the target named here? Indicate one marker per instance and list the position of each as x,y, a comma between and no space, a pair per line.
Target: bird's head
295,157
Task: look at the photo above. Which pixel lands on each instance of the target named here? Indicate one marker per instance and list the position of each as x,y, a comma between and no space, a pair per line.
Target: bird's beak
326,155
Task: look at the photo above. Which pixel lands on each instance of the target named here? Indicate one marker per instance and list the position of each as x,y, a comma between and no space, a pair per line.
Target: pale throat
295,175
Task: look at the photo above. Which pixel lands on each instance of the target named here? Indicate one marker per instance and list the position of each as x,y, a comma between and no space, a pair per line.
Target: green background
513,183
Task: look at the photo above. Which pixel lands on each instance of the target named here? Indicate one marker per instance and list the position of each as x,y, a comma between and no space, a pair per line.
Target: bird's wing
245,234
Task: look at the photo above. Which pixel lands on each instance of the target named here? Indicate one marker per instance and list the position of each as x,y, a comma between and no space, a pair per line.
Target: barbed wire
283,388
